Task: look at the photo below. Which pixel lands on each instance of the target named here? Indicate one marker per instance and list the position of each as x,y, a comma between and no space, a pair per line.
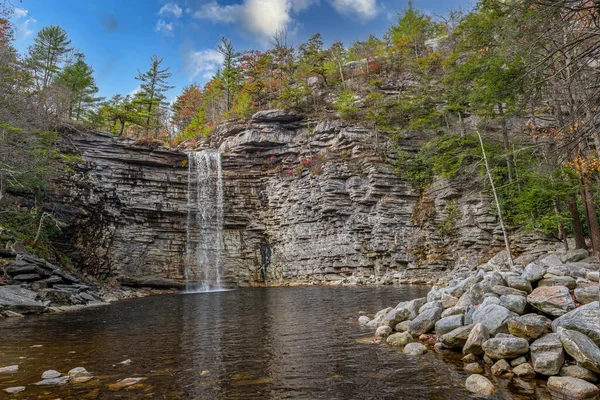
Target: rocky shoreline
30,285
539,319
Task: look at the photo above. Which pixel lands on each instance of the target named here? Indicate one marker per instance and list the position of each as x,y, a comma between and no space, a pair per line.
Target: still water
268,343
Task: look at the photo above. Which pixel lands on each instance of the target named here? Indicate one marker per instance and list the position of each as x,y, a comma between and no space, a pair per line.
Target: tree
49,50
152,88
78,79
312,57
230,74
186,106
117,112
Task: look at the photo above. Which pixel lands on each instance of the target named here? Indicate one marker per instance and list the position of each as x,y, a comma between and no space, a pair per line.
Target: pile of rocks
32,285
540,317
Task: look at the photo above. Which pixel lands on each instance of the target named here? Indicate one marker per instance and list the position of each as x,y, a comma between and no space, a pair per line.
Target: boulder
51,374
552,300
20,300
593,276
414,305
587,295
456,338
453,311
399,339
572,387
363,320
550,260
577,371
518,361
514,303
501,367
529,326
505,347
534,272
383,331
477,336
15,389
473,368
494,317
574,255
584,319
395,316
505,290
378,318
479,385
581,348
547,355
566,281
524,371
402,326
63,380
519,283
449,301
448,324
414,349
425,321
26,277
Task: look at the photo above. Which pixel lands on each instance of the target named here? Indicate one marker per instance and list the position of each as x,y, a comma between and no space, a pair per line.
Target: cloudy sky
119,36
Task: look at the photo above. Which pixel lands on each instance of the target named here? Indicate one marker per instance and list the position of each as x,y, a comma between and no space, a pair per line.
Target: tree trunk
577,226
506,143
562,232
593,227
489,175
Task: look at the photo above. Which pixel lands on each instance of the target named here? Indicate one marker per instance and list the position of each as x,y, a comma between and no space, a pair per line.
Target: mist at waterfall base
204,225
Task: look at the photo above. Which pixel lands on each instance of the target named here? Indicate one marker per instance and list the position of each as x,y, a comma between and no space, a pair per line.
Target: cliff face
305,200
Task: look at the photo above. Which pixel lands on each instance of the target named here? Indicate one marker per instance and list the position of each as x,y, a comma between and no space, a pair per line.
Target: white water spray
204,229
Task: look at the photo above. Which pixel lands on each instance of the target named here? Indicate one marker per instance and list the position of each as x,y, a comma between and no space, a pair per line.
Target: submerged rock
10,368
15,389
51,374
414,349
479,385
63,380
123,383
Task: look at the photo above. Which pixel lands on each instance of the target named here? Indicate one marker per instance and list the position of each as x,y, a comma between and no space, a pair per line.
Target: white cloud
203,63
171,8
164,28
20,13
363,9
260,17
135,91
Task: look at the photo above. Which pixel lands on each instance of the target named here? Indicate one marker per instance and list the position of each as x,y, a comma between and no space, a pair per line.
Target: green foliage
445,156
447,226
346,105
243,107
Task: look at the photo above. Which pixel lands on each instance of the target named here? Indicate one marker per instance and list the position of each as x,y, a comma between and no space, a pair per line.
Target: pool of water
267,343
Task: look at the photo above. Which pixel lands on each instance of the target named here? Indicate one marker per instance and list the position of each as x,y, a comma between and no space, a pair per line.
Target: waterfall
204,227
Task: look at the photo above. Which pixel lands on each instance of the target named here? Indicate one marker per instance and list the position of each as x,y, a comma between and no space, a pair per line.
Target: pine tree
153,86
230,74
50,49
78,79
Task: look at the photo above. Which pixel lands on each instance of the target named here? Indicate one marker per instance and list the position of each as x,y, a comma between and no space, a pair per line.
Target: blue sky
119,36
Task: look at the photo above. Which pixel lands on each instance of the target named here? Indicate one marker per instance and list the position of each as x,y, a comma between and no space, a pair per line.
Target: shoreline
538,322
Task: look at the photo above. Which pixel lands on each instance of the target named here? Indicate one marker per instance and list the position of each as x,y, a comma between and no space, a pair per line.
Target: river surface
267,343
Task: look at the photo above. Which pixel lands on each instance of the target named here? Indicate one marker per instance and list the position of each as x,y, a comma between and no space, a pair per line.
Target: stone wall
305,200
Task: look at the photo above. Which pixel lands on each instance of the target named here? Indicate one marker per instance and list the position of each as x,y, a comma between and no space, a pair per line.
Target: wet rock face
319,196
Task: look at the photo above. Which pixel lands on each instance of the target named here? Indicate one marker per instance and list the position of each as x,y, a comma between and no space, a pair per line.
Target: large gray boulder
519,283
577,371
378,318
552,300
534,272
585,319
505,347
448,324
547,355
425,321
514,303
574,255
414,349
587,295
494,317
529,326
20,300
477,337
566,281
581,348
572,387
456,338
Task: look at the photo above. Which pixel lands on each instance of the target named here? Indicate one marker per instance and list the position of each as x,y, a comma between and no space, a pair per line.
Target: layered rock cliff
305,200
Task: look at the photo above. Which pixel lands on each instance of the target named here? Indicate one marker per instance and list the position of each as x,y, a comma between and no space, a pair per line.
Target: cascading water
204,230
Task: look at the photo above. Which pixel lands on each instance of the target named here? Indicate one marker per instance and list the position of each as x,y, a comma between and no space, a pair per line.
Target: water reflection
277,343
